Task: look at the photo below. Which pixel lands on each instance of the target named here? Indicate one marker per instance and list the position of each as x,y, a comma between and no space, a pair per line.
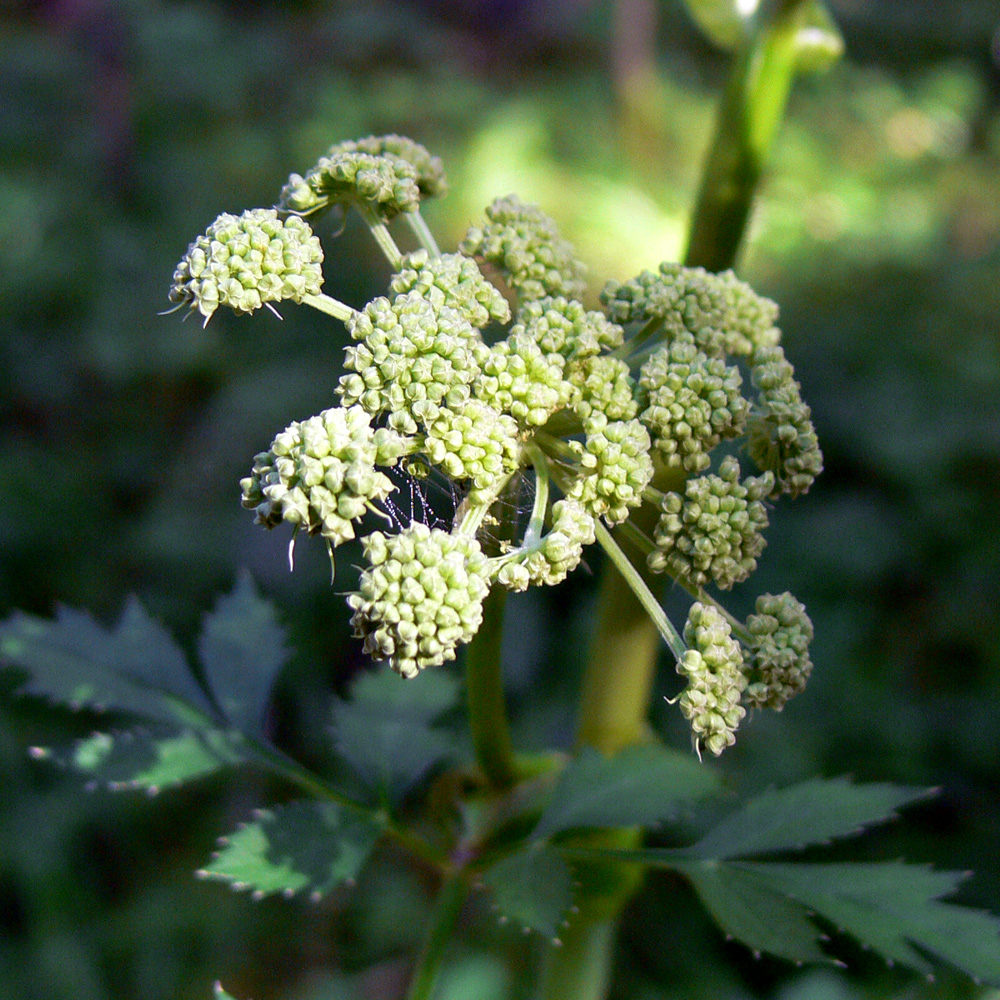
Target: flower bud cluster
518,378
428,169
420,597
525,245
780,663
722,313
713,667
604,387
320,474
412,360
247,261
692,403
454,281
615,467
550,559
713,533
780,432
567,327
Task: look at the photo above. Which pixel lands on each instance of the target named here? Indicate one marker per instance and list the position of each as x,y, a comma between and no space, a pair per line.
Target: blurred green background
125,128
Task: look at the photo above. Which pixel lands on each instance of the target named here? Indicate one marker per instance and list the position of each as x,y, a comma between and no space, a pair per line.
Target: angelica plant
658,423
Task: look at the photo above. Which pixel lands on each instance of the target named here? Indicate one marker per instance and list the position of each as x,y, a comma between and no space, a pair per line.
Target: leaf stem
420,229
447,908
325,304
381,233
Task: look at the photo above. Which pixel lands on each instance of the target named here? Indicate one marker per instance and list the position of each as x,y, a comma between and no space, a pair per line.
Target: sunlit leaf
749,909
242,649
384,731
139,759
819,43
306,846
639,786
133,667
533,888
811,812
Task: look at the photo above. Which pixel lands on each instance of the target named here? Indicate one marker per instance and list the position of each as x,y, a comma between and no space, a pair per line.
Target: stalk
626,645
446,910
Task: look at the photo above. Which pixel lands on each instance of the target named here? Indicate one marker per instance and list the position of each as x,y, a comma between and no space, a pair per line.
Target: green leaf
723,22
305,846
638,786
812,812
891,906
138,759
384,732
220,994
819,43
534,888
242,649
134,667
750,910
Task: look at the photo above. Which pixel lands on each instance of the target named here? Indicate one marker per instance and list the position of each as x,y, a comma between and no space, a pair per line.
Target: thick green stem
487,706
325,304
581,968
446,911
753,106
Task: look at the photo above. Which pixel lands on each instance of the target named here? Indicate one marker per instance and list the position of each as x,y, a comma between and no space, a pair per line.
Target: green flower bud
605,388
780,433
474,443
692,403
385,183
780,663
428,170
454,281
713,532
420,598
615,468
722,313
524,243
550,559
413,360
249,261
320,474
519,379
713,667
567,327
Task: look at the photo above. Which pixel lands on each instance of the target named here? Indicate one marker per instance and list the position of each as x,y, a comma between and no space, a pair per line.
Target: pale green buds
713,667
692,403
712,534
550,559
247,261
320,474
604,388
428,170
615,468
454,281
420,598
780,663
567,327
525,245
780,433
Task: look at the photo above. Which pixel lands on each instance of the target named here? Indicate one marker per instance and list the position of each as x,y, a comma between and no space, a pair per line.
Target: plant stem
446,910
487,706
581,968
330,306
752,108
382,236
420,229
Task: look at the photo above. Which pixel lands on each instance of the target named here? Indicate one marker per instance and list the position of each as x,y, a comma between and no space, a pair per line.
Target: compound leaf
752,911
140,759
385,733
638,786
533,887
812,812
242,649
134,667
891,906
305,846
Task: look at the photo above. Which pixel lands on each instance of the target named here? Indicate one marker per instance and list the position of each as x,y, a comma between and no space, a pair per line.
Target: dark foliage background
125,128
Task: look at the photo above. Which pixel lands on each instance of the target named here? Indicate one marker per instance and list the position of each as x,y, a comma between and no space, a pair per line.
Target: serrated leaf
134,667
533,888
638,786
385,734
753,912
305,846
139,759
812,812
891,906
242,649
